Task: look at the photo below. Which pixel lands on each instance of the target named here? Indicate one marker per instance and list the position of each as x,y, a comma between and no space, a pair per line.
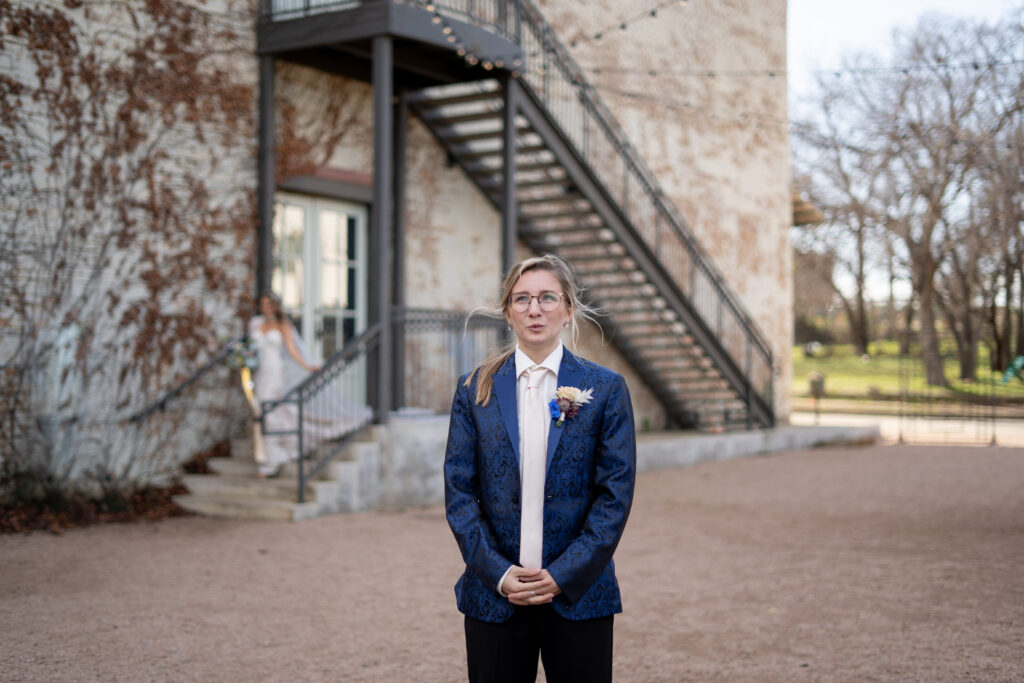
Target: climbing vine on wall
318,115
127,185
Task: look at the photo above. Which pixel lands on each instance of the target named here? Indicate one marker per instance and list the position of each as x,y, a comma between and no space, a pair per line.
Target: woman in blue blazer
542,584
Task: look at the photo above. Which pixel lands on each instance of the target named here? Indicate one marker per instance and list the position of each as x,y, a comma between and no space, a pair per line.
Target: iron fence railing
965,411
435,348
278,10
326,408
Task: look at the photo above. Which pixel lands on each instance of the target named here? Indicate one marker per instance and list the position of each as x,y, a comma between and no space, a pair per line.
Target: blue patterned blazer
591,468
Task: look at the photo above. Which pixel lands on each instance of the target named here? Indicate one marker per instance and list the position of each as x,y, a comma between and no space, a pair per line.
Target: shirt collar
552,362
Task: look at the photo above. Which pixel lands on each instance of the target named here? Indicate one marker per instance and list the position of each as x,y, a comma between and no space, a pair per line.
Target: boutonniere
567,402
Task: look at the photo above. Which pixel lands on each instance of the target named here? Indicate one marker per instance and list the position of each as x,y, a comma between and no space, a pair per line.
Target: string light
623,24
690,108
461,49
774,73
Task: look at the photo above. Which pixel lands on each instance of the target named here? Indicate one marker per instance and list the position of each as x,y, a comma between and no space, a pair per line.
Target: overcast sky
820,32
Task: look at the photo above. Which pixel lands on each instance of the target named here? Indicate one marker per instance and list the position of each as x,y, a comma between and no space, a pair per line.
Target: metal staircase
579,189
582,192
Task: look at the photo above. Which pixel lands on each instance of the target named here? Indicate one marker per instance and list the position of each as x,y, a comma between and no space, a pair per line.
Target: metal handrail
354,347
314,387
161,403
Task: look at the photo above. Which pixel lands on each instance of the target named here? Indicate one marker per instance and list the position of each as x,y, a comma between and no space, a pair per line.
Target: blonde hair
571,292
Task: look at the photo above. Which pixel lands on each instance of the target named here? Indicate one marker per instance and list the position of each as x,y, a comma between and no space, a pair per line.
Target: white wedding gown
328,417
271,385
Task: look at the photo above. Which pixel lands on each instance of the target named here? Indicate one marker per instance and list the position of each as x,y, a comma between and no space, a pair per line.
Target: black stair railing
161,403
324,410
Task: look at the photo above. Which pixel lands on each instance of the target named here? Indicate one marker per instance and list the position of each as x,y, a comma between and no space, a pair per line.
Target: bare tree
897,159
845,174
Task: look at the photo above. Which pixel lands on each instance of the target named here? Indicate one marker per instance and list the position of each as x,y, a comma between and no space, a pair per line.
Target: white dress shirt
548,386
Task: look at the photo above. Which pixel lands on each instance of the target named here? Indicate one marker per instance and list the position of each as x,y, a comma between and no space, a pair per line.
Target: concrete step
241,447
245,487
350,482
233,466
247,508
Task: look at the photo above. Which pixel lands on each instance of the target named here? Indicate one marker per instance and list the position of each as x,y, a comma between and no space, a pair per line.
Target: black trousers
571,650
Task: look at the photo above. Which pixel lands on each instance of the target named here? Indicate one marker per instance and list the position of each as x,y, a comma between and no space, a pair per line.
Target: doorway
320,269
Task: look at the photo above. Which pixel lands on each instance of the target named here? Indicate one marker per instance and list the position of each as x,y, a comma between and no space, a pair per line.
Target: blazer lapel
569,374
505,391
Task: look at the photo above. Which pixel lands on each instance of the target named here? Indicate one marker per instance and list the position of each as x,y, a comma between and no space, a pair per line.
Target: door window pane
287,276
318,269
330,340
351,251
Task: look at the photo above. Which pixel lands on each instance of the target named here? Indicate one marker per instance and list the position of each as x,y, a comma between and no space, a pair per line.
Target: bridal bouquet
242,354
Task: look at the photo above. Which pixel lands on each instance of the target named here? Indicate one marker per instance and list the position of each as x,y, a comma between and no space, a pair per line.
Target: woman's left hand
534,589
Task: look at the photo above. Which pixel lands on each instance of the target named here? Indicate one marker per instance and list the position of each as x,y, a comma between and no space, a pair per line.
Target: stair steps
349,483
555,216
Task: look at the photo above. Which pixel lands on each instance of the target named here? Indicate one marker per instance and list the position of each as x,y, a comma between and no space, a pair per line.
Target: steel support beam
398,249
509,210
380,222
266,178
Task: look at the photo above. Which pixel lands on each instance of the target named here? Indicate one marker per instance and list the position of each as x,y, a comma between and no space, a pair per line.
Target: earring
508,328
566,324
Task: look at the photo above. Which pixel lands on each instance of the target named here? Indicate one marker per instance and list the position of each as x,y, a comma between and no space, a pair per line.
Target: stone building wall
126,134
700,90
129,184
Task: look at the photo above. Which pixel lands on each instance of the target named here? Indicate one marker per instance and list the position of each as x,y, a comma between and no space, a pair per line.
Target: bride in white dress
282,364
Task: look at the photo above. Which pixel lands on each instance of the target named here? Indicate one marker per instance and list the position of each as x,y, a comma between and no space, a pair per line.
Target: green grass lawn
849,375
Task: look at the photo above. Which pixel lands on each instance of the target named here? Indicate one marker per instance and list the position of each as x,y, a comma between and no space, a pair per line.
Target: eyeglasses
548,301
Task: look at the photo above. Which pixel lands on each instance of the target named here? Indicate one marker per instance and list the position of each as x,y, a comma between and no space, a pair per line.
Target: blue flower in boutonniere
567,403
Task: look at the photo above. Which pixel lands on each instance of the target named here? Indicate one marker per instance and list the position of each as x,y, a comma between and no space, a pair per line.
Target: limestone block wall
126,247
700,90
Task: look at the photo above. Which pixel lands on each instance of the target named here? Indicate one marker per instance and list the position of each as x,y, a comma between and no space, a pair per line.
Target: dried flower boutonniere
567,403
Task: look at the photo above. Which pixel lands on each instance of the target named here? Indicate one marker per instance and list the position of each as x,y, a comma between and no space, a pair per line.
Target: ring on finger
533,594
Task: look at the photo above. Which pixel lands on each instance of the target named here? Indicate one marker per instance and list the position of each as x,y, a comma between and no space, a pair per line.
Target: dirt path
888,563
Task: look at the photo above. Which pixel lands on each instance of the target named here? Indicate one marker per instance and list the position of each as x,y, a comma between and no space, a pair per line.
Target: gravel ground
860,564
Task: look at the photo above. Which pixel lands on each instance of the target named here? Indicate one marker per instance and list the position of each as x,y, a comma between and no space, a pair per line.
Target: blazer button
515,500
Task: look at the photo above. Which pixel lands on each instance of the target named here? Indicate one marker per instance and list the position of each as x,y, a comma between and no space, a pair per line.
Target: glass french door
320,264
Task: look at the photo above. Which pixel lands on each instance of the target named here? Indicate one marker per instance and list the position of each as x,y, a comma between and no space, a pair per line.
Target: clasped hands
524,586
